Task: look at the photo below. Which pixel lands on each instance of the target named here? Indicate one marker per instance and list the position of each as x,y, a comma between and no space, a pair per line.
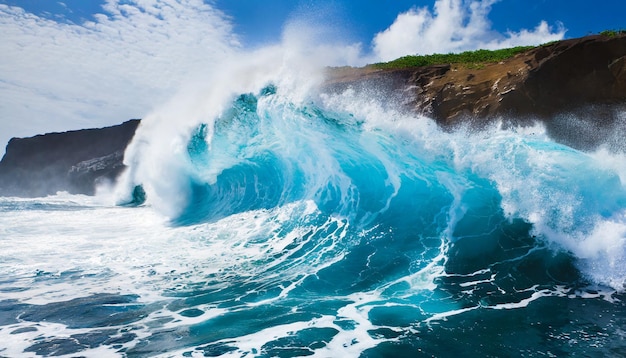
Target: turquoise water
330,228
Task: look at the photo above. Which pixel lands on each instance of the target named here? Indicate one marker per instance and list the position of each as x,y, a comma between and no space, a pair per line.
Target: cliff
564,77
74,161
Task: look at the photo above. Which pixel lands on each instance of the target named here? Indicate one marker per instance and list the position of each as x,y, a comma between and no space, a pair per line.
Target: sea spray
295,66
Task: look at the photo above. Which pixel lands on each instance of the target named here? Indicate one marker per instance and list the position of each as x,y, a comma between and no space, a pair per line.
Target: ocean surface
280,225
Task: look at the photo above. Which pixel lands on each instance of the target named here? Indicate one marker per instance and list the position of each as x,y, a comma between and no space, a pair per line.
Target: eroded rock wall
540,83
74,161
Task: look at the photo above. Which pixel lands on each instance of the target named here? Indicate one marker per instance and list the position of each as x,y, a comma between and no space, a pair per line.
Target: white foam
133,251
15,344
129,250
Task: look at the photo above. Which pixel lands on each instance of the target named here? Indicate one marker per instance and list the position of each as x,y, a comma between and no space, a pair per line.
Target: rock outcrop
564,76
74,161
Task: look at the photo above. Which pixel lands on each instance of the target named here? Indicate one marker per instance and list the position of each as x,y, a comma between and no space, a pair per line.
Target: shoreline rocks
548,80
74,161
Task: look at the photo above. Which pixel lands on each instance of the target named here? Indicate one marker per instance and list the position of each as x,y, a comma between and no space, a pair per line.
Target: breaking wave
323,224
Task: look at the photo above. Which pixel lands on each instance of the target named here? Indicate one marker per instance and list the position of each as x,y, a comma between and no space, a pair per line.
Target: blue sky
74,64
261,22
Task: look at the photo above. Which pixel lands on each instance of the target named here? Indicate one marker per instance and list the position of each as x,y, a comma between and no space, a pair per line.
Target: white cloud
56,76
453,26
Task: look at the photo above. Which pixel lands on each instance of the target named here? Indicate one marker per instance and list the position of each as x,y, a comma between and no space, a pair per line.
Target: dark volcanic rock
73,161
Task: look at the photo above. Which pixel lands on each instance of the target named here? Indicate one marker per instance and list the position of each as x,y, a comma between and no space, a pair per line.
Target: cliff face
540,83
72,161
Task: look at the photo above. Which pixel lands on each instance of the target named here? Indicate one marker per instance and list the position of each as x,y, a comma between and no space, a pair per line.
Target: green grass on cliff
468,58
613,33
472,59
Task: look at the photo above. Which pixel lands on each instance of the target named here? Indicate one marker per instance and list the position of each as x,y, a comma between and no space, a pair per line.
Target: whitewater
262,216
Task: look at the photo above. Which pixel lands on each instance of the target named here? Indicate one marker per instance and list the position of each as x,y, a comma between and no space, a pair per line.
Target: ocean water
265,223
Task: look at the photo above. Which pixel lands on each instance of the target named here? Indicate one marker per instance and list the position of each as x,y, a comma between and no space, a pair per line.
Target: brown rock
540,83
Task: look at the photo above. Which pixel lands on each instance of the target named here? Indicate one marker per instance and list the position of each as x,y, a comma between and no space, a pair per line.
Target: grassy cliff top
466,58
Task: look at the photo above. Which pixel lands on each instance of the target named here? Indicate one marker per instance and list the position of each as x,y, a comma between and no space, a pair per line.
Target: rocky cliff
74,161
584,76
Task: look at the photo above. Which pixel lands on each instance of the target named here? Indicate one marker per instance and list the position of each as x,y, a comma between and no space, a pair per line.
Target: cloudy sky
75,64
